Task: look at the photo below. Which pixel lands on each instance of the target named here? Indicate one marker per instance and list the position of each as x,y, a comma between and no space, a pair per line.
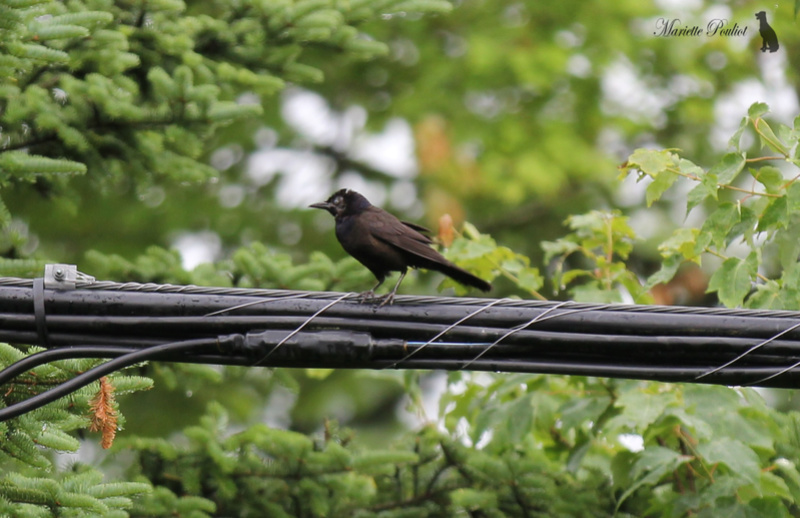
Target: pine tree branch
110,125
420,499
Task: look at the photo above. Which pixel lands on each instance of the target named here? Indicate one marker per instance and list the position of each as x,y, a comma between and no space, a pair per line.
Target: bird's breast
356,238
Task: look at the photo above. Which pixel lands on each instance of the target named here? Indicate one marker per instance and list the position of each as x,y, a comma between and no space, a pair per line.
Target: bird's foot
365,296
371,297
387,299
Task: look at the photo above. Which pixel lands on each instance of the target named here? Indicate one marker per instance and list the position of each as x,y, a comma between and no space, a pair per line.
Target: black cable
672,373
91,284
479,334
628,319
61,353
348,350
148,330
62,339
530,345
98,372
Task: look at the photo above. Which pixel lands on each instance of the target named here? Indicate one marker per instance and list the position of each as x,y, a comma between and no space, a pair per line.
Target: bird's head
343,202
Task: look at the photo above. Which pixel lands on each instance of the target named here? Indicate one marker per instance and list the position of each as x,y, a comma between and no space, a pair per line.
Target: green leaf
757,110
788,240
423,6
520,418
771,504
113,489
37,52
790,474
303,73
769,295
596,294
651,162
775,215
785,133
21,163
707,186
55,32
734,141
720,222
576,412
661,182
728,168
733,280
55,439
82,18
698,195
769,139
20,446
642,407
472,499
793,198
669,267
530,279
320,18
745,227
740,459
652,464
770,177
683,241
227,111
771,484
375,458
558,247
5,215
85,502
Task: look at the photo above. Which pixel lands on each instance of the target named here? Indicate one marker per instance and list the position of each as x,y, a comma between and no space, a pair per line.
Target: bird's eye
337,200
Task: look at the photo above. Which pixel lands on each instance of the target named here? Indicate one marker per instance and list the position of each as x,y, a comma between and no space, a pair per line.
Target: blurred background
511,115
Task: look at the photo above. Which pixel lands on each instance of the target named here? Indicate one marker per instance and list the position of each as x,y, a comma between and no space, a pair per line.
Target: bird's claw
369,296
365,296
387,299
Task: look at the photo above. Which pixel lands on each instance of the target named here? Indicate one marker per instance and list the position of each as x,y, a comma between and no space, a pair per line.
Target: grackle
384,244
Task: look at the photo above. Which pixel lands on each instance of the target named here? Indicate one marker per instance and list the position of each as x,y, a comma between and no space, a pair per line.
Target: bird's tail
461,276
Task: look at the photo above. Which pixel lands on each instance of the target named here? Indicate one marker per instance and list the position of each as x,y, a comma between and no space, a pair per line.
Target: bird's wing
414,247
406,237
418,228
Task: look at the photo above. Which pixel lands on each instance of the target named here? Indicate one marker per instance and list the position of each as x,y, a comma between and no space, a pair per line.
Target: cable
96,373
62,353
145,331
321,329
74,311
412,299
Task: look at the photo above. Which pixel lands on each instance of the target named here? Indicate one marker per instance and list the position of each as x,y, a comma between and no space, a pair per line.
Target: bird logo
769,40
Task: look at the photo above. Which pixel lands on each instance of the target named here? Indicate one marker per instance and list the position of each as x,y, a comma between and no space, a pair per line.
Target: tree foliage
748,202
113,119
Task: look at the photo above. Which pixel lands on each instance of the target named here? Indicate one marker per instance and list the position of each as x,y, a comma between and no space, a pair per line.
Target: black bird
384,244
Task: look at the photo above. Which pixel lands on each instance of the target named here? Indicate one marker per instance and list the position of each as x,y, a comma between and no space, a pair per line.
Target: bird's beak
322,205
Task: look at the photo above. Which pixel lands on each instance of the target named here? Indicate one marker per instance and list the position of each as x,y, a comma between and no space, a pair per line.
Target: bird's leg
370,294
389,297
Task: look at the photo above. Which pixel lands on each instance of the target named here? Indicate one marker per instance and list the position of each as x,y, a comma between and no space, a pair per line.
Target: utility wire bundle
281,328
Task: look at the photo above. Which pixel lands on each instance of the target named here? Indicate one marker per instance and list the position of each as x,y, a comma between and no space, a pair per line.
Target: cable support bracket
64,276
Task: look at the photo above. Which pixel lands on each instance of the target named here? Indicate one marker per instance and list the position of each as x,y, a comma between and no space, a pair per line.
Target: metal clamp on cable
64,277
60,276
56,277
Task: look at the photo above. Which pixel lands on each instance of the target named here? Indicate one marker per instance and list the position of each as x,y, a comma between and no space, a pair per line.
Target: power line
77,317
